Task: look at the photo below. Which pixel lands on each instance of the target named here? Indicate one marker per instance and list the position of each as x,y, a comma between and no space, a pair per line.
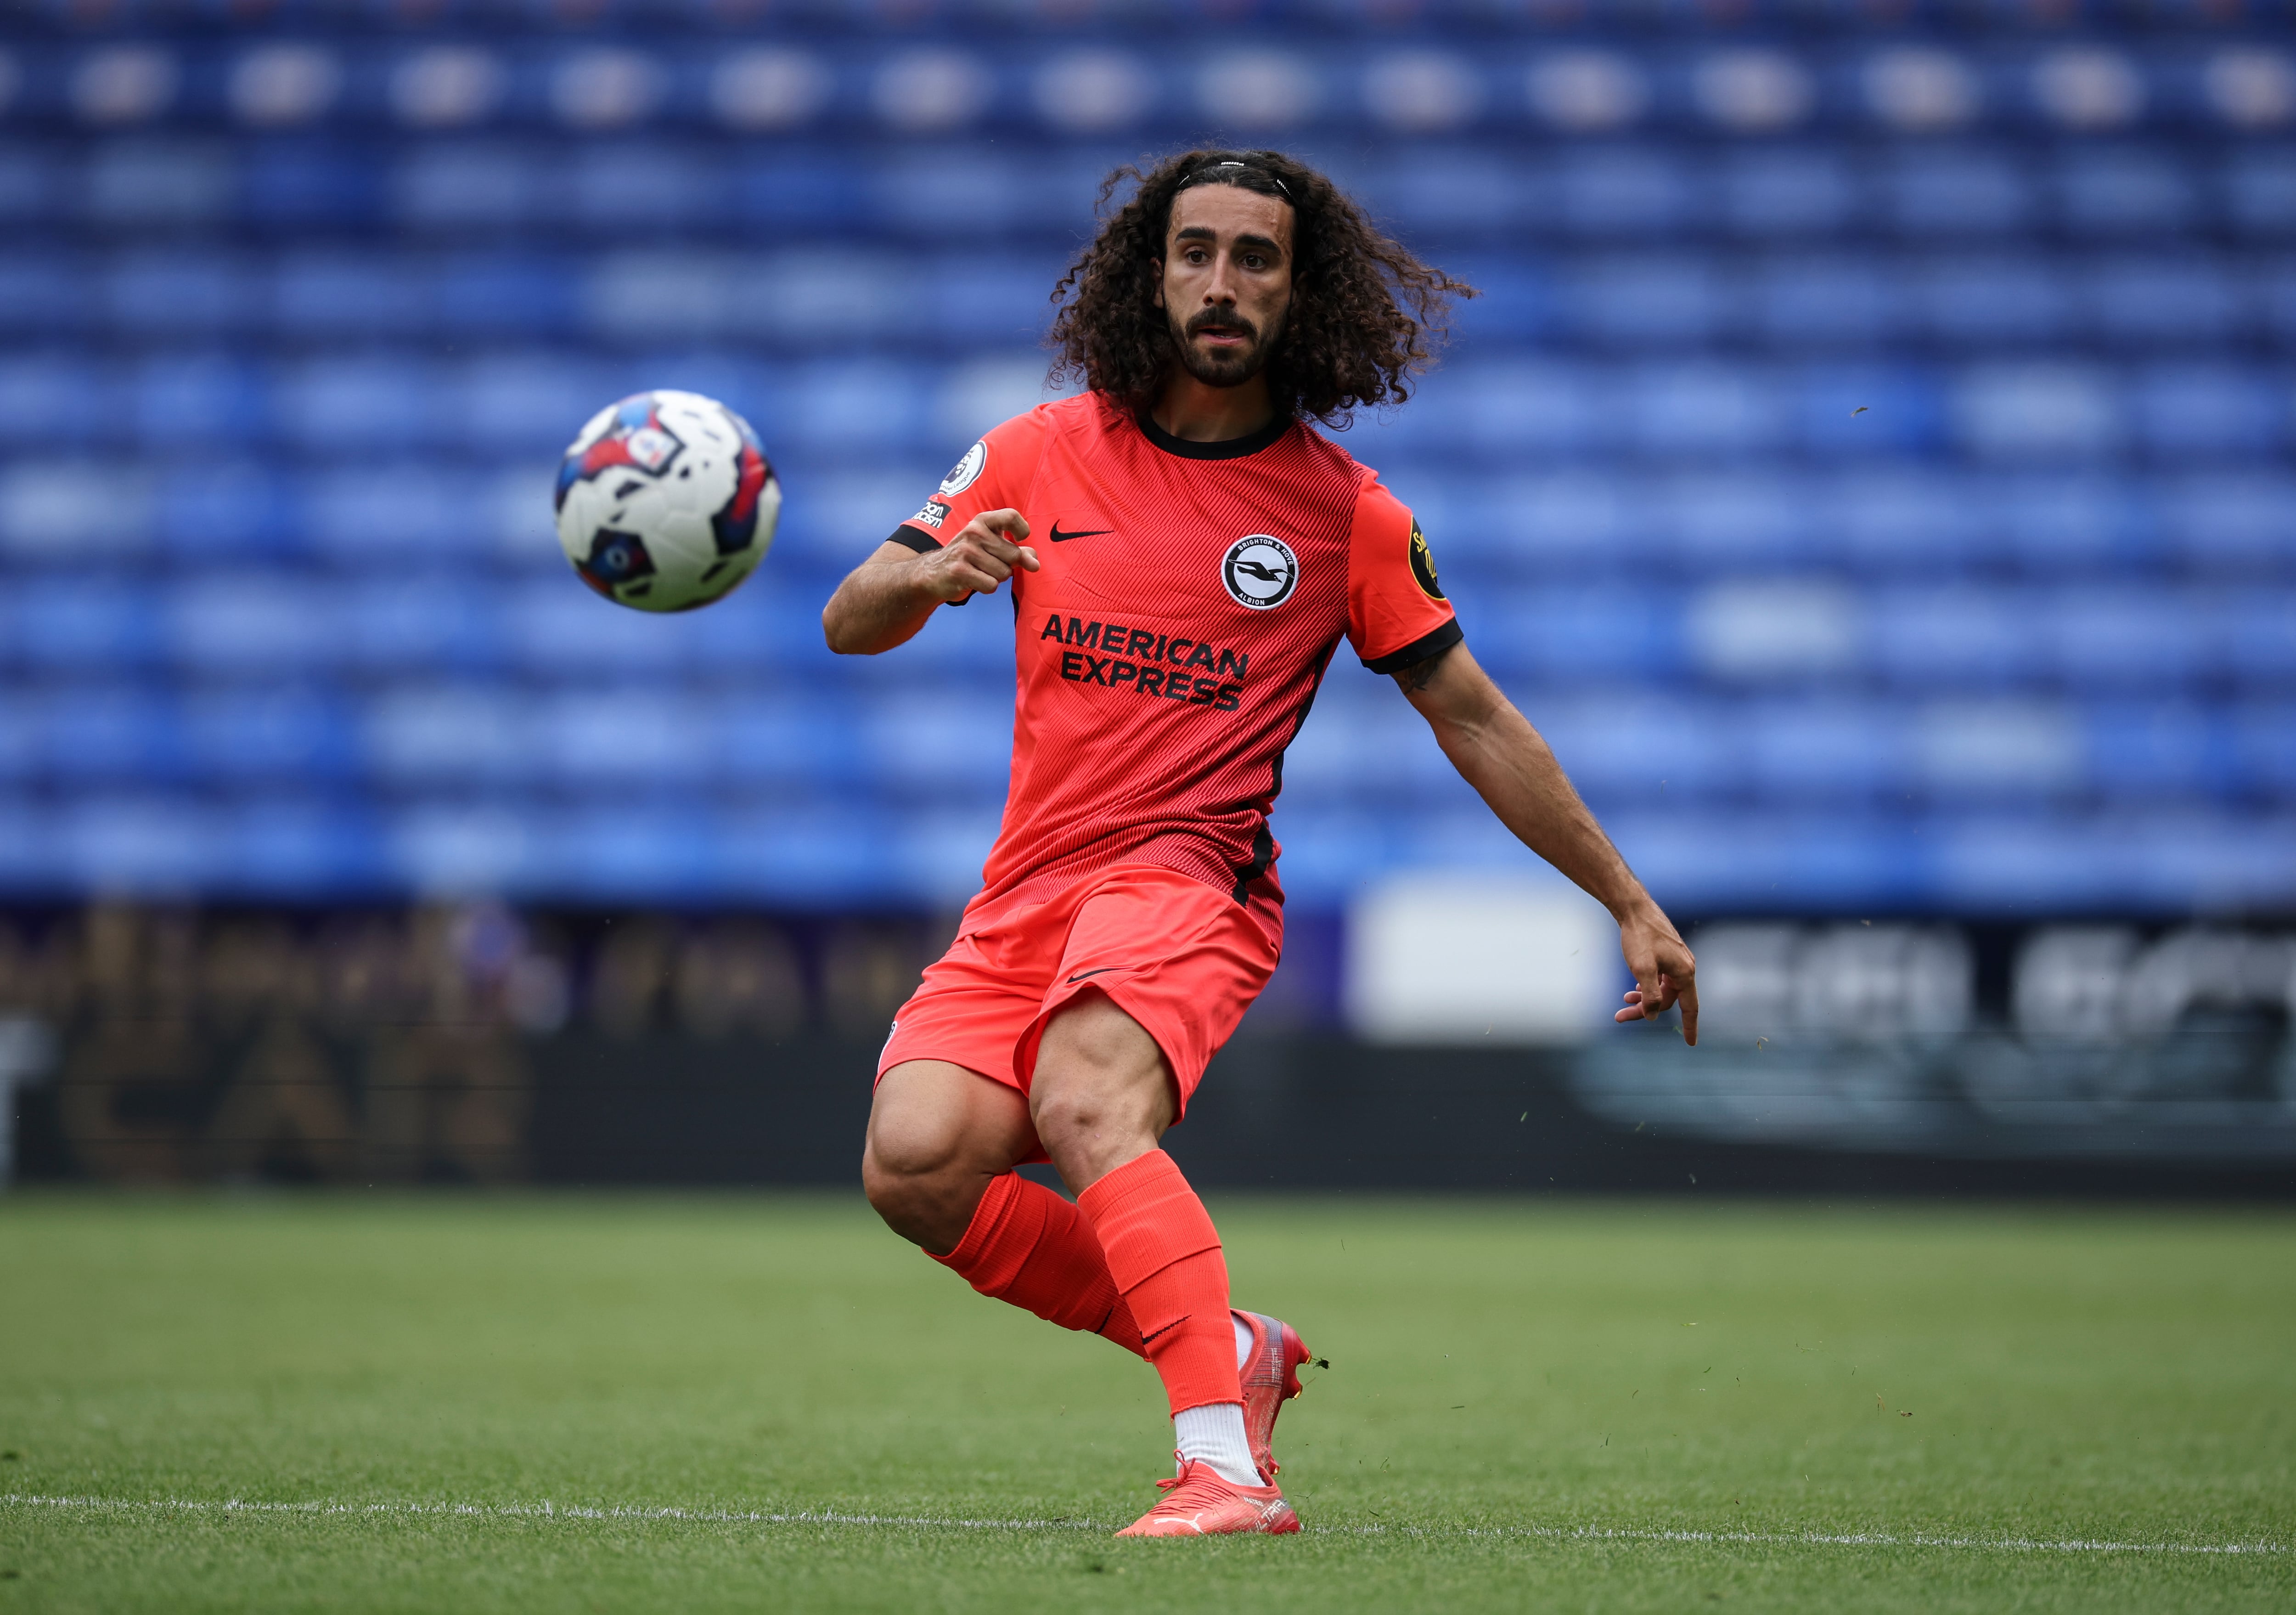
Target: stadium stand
1874,440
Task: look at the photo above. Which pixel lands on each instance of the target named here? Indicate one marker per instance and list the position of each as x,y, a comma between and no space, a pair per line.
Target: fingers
1690,1013
1008,522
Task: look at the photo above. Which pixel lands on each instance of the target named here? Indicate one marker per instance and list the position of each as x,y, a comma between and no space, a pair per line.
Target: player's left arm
1496,750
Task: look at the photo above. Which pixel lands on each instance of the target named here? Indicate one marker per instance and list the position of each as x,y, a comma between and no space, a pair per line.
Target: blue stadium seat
446,620
213,507
108,732
266,732
1830,301
1786,192
780,189
947,750
799,741
1735,520
1604,191
2123,637
1953,636
2164,300
473,186
252,623
177,292
79,513
1669,300
1454,192
554,627
2264,746
1705,409
807,856
359,403
523,401
601,852
32,180
617,190
1517,301
855,409
1974,752
2256,635
1647,747
305,183
2259,190
1866,409
1954,191
980,300
2156,748
2053,524
159,183
20,735
95,625
57,399
513,294
139,842
2210,411
606,736
2046,411
1984,302
829,296
296,848
2124,190
393,516
43,293
1565,525
198,398
349,295
1802,751
1900,520
421,735
1501,410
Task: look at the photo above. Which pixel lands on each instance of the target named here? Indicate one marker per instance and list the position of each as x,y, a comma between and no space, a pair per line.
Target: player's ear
1159,299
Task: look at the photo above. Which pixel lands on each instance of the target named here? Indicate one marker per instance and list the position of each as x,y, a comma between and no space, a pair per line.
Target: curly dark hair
1365,314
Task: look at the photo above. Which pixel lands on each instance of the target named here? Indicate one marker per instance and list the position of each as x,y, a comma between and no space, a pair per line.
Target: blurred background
1869,463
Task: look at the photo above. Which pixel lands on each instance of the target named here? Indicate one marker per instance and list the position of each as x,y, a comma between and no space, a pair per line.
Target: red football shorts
1183,958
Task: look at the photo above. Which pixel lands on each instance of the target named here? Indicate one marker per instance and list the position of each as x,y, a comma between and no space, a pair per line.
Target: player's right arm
886,599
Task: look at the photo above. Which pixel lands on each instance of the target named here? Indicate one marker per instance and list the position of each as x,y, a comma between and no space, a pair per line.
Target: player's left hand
1665,972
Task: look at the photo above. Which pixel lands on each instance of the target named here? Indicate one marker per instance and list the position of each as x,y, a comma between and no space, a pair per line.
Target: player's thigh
931,1119
1103,1091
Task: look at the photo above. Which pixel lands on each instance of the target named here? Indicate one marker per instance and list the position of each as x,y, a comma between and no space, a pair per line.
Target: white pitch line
1550,1533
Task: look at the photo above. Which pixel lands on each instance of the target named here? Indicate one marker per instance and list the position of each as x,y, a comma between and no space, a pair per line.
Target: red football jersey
1189,599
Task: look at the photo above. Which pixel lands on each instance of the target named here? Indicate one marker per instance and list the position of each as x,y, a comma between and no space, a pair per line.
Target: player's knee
910,1196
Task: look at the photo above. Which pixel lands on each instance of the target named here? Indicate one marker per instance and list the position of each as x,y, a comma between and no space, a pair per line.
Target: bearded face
1222,347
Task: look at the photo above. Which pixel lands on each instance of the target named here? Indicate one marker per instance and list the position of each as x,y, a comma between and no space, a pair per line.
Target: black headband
1225,171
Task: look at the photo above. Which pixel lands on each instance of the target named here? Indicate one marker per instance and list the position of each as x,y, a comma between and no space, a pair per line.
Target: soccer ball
665,502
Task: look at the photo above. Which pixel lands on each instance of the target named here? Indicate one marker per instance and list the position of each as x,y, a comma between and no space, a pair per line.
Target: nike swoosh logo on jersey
1090,532
1103,970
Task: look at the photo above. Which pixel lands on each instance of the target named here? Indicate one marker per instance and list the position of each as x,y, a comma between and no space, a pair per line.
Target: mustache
1222,319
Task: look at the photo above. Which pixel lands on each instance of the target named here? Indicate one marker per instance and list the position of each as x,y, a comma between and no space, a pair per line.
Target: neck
1195,413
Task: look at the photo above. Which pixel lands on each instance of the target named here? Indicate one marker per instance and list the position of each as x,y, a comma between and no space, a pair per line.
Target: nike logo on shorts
1103,970
1090,532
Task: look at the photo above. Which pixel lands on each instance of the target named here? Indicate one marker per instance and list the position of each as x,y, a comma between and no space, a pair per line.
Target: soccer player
1185,554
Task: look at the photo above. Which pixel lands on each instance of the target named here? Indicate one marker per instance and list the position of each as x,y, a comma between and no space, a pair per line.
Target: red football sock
1164,1255
1027,1246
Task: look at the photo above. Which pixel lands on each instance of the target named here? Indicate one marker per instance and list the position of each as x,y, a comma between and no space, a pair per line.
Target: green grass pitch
1530,1405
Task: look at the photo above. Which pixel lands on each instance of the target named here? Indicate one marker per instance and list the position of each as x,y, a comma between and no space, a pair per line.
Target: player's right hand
985,552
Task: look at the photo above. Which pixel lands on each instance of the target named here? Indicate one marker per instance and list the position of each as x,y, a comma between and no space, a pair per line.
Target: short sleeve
1397,614
993,475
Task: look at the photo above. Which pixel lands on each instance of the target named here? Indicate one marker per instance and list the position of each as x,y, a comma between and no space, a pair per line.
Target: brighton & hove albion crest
1259,571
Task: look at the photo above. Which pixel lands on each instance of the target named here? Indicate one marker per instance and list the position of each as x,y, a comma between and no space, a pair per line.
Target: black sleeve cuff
1420,649
913,538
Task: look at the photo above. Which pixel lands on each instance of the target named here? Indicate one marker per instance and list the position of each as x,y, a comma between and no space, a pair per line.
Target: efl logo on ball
1259,571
